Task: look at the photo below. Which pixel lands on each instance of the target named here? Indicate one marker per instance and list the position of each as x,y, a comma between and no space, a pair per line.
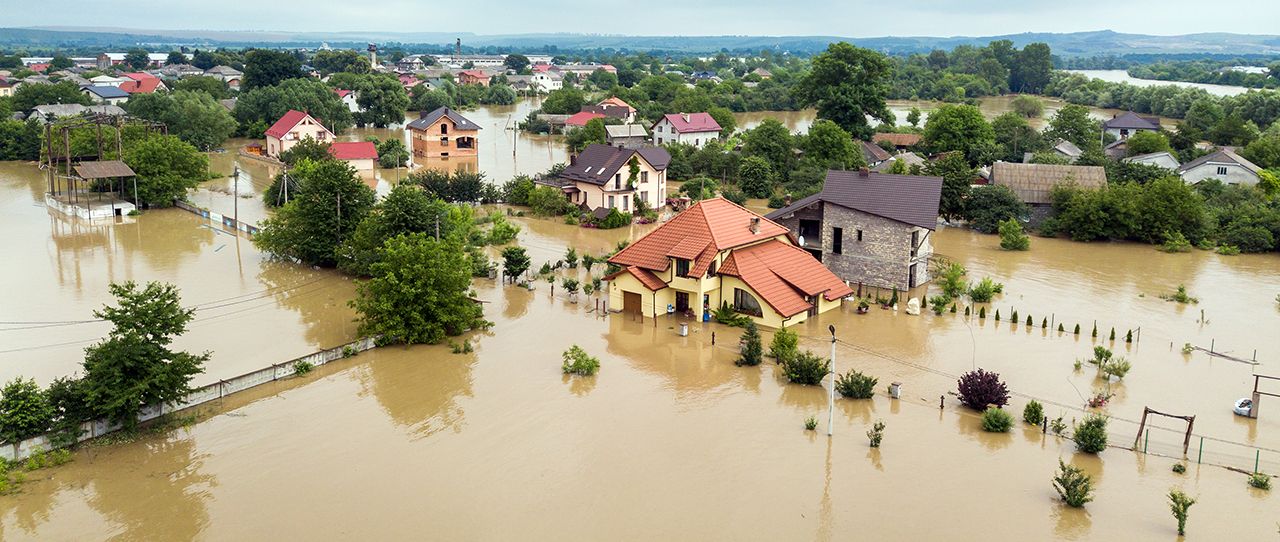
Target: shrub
980,388
1061,330
1113,334
571,258
1179,468
806,368
1260,480
1073,485
615,219
951,279
982,312
810,423
1012,237
1057,425
856,385
1091,434
1180,503
578,362
726,315
25,411
1180,296
461,348
1187,348
752,349
995,420
1077,330
997,315
985,290
1175,242
1033,413
1117,367
302,367
784,346
876,434
1228,250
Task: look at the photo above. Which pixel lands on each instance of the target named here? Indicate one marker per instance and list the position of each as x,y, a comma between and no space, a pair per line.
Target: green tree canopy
957,176
27,97
418,292
1074,124
564,101
340,61
259,108
133,366
330,203
516,62
1015,136
959,128
25,411
193,116
1146,142
406,209
137,58
847,84
772,141
827,143
990,205
593,132
266,67
166,168
212,86
756,177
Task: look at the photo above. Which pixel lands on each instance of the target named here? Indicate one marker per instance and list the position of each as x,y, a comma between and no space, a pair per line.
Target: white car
1243,407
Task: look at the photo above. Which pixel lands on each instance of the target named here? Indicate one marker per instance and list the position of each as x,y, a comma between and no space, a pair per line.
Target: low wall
218,218
198,396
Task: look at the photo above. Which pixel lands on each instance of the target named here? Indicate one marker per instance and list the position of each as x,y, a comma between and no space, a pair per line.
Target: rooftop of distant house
692,122
597,163
425,120
910,199
354,150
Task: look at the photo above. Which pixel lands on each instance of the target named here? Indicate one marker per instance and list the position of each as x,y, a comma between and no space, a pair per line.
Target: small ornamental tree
995,420
1091,434
1180,503
1073,485
1033,413
981,388
784,346
578,362
515,261
806,368
856,385
752,349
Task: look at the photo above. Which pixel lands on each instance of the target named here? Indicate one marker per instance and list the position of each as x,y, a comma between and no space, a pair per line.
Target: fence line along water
237,226
212,392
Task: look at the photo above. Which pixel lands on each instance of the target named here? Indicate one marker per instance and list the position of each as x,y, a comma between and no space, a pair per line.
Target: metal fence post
1201,455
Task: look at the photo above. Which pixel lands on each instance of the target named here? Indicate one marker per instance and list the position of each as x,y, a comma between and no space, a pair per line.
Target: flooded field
250,312
671,440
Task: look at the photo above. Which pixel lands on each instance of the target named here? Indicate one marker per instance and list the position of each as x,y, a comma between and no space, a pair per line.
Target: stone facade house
870,229
443,133
1224,165
718,253
600,178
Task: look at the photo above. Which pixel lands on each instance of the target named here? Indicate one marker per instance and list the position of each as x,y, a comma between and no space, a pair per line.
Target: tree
829,145
1146,142
752,349
603,79
756,177
516,62
306,148
913,117
26,97
1073,485
724,117
1015,136
423,99
25,411
958,128
133,366
1027,106
1090,434
382,100
175,57
137,58
330,203
564,101
1032,69
771,141
1074,124
1012,237
60,62
265,68
1264,151
1180,503
406,209
593,133
392,153
166,167
194,117
989,206
418,292
514,262
20,140
957,176
340,61
979,388
212,86
847,84
262,107
1233,130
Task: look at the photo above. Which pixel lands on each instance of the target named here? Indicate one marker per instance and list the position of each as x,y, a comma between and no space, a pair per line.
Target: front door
631,302
682,302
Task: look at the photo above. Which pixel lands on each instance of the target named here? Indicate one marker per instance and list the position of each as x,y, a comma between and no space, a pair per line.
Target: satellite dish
801,239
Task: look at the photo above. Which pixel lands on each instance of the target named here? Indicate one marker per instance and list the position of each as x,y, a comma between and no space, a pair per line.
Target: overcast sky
854,18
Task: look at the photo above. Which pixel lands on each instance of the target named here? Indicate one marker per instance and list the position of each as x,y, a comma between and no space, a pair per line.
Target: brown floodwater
252,312
671,440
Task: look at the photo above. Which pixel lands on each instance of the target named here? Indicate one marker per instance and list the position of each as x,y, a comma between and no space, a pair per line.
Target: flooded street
670,440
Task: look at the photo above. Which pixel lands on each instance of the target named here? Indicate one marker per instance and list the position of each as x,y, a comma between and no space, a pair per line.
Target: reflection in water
1070,523
421,391
318,296
165,484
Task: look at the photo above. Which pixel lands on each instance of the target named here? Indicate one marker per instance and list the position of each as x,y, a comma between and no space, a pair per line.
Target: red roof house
294,126
723,253
473,77
142,83
689,128
362,155
581,118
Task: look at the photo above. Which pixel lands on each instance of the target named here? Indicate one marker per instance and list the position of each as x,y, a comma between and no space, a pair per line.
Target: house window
626,204
644,196
1222,170
659,141
859,236
444,128
837,240
610,202
711,271
682,267
444,142
617,181
659,128
644,176
915,243
745,303
695,143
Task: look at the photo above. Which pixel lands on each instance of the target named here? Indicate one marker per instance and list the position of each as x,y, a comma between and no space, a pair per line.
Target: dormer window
682,267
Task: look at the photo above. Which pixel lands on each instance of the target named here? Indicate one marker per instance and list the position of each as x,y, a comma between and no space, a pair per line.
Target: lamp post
831,395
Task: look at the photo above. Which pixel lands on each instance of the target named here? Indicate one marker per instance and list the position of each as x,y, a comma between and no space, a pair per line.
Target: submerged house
869,228
715,253
1034,183
443,133
293,127
361,155
601,178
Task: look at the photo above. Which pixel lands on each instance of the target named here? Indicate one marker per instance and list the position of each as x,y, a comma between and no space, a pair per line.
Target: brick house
717,252
868,228
443,133
293,127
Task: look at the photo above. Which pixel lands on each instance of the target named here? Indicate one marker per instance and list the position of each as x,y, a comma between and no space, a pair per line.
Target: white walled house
547,81
600,178
1162,159
689,128
293,127
1224,165
349,99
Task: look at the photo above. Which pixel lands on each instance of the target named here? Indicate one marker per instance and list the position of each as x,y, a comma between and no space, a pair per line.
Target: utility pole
831,394
235,182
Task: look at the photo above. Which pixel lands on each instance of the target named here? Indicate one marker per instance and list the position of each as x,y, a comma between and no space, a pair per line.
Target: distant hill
1104,42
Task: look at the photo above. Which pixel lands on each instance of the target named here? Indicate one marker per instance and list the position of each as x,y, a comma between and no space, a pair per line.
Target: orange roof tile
648,279
784,275
717,222
688,249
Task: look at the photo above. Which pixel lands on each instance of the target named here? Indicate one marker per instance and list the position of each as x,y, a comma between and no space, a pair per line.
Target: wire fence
198,396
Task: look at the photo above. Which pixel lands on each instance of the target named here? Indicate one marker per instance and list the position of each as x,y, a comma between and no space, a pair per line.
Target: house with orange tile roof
717,252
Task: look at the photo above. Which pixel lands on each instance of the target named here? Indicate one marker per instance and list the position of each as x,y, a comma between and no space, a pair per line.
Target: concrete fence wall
218,218
198,396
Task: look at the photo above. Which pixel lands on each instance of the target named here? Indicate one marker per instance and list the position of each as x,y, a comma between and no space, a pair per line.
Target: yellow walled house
719,252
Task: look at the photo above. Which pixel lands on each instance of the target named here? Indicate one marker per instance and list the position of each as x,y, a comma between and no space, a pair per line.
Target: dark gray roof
872,153
425,121
107,91
1132,121
911,199
597,164
1224,156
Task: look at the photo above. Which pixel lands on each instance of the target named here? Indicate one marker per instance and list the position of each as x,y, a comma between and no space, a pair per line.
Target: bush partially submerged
856,385
980,388
1033,413
752,351
1073,485
784,346
578,362
995,420
806,368
1091,434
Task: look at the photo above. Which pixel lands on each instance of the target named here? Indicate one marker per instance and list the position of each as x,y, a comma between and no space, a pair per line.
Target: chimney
423,114
755,224
685,116
864,172
573,159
